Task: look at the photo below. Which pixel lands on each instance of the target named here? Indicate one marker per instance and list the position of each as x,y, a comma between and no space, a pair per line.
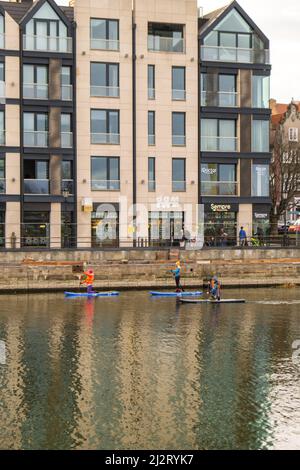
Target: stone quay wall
138,269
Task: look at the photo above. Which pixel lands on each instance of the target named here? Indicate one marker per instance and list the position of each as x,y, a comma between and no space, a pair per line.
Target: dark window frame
107,21
107,111
107,64
107,158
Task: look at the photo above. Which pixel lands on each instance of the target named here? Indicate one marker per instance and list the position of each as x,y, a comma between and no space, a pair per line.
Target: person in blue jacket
177,272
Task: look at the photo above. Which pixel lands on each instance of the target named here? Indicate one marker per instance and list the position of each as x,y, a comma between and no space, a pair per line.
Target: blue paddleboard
176,294
96,294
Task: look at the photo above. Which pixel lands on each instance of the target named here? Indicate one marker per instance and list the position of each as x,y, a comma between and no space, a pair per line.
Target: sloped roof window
233,22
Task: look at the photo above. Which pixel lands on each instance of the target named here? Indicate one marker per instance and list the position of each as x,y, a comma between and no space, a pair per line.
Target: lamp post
285,240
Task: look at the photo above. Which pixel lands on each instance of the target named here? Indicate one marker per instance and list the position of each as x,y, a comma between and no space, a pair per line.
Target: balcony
2,137
66,140
178,140
2,185
105,91
151,186
178,95
178,186
165,44
35,91
219,144
35,139
151,139
234,54
67,186
223,99
105,185
99,138
219,188
151,93
105,44
66,92
36,186
47,43
2,40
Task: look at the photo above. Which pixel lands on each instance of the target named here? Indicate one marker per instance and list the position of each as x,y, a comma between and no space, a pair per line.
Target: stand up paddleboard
207,301
96,294
176,294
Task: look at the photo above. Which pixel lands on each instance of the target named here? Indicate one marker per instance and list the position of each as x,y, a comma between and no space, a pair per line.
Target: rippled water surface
136,372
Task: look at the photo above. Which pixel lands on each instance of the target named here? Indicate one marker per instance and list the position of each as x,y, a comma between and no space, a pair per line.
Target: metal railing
178,140
98,138
36,186
67,92
2,137
105,91
47,43
178,95
2,41
165,44
35,235
35,91
68,186
66,139
2,185
219,188
151,93
151,186
105,44
178,186
224,99
219,144
35,138
105,185
235,54
151,139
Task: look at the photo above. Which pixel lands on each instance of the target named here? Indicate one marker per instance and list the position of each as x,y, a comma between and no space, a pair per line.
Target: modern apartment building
117,118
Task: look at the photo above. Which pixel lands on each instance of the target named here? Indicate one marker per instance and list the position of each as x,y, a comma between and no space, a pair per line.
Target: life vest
89,279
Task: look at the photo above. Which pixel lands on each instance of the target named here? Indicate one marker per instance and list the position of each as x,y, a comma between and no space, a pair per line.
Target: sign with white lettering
220,207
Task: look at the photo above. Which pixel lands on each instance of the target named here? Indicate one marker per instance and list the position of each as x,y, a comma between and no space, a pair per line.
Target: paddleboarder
88,279
214,288
177,272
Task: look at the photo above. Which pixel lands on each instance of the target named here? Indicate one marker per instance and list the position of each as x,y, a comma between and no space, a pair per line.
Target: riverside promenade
143,269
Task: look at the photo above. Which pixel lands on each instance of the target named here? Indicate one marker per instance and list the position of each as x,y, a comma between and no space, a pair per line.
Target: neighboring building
286,120
111,104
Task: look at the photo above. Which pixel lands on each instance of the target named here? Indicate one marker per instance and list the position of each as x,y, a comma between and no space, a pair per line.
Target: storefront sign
220,207
261,216
166,202
87,204
209,171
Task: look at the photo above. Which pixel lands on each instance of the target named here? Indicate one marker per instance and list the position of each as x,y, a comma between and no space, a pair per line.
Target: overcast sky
280,21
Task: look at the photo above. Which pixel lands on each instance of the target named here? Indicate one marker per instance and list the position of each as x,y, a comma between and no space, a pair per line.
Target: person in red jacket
88,279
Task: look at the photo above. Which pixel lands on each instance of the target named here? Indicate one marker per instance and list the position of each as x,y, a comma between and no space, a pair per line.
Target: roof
18,10
212,16
280,109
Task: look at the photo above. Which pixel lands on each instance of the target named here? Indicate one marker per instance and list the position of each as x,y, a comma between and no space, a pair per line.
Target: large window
105,173
166,37
66,83
105,79
36,229
35,82
260,91
2,175
260,180
105,225
36,177
218,135
151,82
151,174
67,183
151,127
218,90
218,179
66,134
105,34
178,175
2,80
35,129
178,129
105,126
260,136
2,128
2,42
178,83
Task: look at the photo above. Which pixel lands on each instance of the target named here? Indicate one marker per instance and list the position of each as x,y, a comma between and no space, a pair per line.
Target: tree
284,174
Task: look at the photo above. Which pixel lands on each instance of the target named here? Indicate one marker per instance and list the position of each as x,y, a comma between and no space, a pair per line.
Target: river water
142,373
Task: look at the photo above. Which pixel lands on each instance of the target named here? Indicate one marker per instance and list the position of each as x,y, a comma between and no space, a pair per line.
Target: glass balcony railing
67,186
219,144
36,186
219,188
2,89
105,185
2,137
151,93
35,139
99,138
35,91
2,40
235,54
66,92
47,43
105,91
178,186
151,186
178,140
105,44
165,44
2,186
151,139
223,99
178,95
66,140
